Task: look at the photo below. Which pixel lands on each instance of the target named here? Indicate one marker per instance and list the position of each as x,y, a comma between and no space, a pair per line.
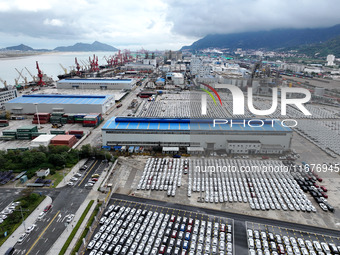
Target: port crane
62,67
33,77
4,82
40,75
78,67
20,75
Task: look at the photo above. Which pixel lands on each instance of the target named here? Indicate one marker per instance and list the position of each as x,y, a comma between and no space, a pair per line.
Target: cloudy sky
152,24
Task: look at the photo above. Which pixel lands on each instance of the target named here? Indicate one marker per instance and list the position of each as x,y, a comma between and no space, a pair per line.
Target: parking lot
131,170
134,228
265,185
268,239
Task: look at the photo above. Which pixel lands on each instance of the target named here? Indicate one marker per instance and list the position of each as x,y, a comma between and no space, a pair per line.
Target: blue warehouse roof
121,123
89,81
60,99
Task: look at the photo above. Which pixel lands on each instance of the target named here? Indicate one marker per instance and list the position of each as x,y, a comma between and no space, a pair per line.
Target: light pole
64,173
36,110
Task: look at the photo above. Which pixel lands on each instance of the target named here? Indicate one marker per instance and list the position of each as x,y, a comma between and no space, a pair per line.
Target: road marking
49,224
88,172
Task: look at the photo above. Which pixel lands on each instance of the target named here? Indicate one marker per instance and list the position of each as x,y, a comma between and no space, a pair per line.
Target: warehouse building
197,135
104,84
30,104
7,95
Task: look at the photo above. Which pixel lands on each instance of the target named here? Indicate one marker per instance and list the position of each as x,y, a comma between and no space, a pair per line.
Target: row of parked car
267,243
163,174
308,181
265,185
127,230
7,211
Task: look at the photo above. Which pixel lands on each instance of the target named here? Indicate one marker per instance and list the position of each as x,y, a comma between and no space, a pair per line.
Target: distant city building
330,60
175,78
172,55
199,67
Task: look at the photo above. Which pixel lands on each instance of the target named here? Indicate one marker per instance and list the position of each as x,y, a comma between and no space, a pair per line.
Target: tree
86,151
57,159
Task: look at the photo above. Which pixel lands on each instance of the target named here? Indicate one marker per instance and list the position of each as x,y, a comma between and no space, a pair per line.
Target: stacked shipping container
43,118
92,120
25,133
68,140
4,123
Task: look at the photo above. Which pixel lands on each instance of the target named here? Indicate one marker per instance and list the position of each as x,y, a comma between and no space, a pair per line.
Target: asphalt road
66,201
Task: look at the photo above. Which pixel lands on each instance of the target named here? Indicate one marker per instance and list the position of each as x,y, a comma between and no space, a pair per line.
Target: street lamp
36,110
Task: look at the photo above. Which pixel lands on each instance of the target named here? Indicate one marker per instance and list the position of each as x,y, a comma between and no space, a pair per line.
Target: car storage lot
130,171
136,228
264,238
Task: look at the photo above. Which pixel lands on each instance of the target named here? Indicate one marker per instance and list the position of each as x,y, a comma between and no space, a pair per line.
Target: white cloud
202,17
162,24
53,22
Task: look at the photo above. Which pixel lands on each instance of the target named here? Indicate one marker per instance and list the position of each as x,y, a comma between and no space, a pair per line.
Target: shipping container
57,132
27,129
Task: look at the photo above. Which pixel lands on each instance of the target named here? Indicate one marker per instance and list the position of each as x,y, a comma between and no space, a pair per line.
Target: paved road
66,201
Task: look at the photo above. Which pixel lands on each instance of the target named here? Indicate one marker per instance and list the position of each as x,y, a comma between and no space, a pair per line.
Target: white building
176,78
7,95
104,84
271,138
152,62
330,60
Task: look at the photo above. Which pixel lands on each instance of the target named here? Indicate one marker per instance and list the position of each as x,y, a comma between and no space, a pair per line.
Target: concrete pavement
31,219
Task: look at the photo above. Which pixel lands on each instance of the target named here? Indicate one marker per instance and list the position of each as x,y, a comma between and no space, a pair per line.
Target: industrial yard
186,161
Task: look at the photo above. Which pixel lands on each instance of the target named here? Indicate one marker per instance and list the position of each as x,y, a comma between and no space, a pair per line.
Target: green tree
57,159
86,151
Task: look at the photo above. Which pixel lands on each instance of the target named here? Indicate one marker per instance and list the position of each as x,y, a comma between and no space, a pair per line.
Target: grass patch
14,220
57,177
86,230
75,229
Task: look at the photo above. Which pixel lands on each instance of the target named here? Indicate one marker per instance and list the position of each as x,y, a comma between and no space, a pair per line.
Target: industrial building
197,134
7,95
175,78
30,104
104,84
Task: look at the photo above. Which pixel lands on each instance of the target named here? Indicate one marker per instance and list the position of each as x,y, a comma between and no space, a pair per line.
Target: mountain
96,46
20,47
331,46
274,39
